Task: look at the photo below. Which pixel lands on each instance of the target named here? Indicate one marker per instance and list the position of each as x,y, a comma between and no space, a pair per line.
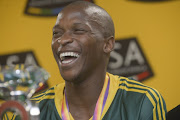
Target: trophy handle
13,105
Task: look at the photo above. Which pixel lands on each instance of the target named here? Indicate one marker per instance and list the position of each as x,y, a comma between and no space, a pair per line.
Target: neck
84,95
84,91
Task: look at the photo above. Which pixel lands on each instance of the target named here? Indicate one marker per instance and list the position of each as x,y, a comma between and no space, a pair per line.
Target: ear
109,44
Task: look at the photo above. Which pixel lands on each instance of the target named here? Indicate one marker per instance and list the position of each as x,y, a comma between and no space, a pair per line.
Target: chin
70,76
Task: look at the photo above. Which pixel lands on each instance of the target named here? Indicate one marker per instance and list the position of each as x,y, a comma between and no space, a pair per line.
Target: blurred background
154,25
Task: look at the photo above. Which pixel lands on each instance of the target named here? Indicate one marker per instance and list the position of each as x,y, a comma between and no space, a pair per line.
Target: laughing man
83,37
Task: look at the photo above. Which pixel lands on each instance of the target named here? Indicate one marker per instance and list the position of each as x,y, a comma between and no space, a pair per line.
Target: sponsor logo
46,7
128,60
26,58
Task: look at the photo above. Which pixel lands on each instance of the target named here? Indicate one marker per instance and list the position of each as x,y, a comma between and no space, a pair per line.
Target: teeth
65,54
67,61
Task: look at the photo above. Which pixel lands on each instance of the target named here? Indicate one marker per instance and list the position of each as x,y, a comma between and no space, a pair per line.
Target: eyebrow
78,24
75,24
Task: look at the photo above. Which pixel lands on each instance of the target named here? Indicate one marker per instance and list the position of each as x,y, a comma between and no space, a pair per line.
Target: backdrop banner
128,60
46,7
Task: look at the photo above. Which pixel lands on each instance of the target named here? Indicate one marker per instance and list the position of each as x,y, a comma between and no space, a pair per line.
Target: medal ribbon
102,100
65,108
99,105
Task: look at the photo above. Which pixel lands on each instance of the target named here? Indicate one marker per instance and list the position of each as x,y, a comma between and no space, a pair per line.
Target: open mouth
68,57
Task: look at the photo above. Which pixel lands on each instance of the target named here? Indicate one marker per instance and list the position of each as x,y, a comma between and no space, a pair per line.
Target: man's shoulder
49,101
133,86
46,95
137,99
133,89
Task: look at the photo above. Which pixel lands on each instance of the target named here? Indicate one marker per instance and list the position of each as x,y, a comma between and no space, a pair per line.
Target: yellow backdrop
156,26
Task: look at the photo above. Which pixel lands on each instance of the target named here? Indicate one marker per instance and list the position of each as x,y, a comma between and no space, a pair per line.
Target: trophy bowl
17,85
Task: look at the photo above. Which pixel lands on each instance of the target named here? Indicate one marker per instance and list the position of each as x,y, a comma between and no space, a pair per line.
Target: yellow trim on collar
114,86
59,97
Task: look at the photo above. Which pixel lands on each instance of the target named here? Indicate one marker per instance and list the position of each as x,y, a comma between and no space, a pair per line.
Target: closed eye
79,31
57,34
54,33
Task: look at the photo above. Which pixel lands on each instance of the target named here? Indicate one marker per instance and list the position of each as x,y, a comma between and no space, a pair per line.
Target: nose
66,38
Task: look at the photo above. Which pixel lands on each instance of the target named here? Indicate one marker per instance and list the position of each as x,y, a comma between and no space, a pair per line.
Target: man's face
77,46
